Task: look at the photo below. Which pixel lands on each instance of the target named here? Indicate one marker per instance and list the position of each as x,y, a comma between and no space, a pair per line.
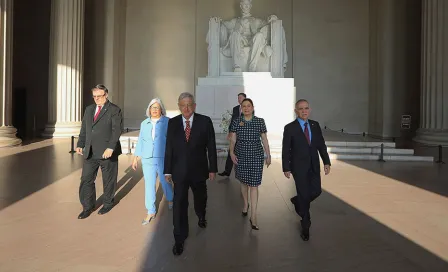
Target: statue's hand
272,18
216,19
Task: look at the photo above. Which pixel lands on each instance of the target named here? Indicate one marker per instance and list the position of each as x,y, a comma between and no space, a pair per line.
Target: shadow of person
128,182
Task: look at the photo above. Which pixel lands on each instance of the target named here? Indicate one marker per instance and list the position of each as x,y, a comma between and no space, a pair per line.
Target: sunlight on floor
417,214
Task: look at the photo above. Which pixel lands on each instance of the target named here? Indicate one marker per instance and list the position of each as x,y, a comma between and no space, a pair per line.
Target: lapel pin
241,124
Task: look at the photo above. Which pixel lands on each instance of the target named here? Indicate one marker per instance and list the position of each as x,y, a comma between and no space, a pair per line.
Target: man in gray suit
99,143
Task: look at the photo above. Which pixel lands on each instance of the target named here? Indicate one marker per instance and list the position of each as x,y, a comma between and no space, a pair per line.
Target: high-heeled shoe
245,213
146,222
253,226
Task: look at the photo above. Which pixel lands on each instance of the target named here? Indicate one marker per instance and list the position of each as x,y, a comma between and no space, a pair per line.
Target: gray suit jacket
96,137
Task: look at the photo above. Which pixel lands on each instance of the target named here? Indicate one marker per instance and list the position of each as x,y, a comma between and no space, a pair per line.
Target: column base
62,130
8,137
432,136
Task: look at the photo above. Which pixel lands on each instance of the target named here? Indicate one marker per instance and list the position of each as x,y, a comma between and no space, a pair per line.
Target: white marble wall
327,43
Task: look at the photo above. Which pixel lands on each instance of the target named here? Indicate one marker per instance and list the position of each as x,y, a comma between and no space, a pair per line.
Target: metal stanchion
440,156
381,159
73,145
129,146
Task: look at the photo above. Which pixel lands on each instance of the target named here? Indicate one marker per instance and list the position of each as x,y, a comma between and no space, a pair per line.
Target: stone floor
371,217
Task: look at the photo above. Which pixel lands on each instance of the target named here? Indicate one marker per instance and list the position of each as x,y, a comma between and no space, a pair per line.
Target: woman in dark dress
246,150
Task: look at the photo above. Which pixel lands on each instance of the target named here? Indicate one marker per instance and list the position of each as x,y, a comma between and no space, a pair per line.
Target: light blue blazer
146,146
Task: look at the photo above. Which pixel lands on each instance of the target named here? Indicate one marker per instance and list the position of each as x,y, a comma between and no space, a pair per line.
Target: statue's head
245,6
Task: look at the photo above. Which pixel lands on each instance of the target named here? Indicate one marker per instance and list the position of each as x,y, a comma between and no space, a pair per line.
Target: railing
72,150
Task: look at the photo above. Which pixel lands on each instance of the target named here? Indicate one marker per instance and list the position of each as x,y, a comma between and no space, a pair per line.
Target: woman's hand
268,160
135,164
234,158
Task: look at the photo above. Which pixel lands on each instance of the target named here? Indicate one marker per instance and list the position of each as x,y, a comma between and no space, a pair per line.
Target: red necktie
187,130
97,113
307,134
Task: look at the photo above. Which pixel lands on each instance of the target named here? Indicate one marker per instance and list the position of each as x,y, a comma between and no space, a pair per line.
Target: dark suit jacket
96,137
297,156
188,160
235,115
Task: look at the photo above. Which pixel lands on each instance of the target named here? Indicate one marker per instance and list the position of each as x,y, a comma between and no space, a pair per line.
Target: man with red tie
302,140
101,128
190,159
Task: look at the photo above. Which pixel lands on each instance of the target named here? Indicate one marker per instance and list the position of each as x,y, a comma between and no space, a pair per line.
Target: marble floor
371,216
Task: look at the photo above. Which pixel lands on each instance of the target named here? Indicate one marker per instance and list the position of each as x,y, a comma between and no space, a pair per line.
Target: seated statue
246,39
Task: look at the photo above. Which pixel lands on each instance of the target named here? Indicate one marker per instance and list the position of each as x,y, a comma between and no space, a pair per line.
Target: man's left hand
327,169
212,176
108,153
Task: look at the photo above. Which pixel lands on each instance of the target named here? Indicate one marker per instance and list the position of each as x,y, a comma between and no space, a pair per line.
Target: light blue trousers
152,168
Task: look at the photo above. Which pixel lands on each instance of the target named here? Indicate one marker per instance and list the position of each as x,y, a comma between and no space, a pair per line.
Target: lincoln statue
250,33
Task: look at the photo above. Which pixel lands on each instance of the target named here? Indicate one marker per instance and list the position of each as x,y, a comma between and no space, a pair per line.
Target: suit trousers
229,163
180,205
153,167
308,186
87,192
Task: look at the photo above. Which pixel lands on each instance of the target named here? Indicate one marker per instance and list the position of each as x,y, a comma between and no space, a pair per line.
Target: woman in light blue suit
151,149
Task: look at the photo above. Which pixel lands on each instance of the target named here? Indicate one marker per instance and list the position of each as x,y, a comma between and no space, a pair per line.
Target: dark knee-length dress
249,150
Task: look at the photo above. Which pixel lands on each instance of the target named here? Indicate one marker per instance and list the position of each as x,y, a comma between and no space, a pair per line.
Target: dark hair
243,94
101,87
301,100
249,100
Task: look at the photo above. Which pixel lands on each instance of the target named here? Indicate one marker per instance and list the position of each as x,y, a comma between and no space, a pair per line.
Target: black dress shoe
178,248
224,174
305,234
293,200
105,210
84,214
202,223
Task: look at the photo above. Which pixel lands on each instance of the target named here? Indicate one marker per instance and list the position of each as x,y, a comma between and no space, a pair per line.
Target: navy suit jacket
298,156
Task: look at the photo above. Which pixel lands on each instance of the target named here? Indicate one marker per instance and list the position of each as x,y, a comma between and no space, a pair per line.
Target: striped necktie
187,130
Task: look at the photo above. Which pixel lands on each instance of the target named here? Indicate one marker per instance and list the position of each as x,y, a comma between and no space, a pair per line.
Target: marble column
66,68
434,74
7,131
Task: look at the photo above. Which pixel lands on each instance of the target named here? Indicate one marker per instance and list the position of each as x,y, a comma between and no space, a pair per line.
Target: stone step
338,150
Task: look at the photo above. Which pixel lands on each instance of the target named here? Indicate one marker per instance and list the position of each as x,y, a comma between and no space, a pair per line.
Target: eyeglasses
155,108
186,106
98,96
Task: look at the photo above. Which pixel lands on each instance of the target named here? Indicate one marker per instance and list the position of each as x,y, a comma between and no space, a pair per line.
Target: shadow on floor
128,182
342,237
27,172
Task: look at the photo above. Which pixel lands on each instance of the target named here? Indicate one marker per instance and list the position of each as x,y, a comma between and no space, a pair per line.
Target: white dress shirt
153,132
191,121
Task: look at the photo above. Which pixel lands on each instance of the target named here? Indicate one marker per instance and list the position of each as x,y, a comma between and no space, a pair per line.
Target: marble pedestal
273,98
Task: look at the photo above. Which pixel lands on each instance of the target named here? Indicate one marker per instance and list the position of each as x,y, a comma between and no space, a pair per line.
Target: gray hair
186,95
155,100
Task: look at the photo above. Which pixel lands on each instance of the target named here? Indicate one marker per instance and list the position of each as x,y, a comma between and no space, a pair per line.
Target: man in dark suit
99,143
190,159
235,114
302,140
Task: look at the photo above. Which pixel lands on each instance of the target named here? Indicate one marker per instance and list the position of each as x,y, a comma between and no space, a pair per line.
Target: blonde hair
155,100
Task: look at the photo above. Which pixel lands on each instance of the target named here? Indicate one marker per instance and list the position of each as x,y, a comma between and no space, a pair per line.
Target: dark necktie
187,130
97,113
307,133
